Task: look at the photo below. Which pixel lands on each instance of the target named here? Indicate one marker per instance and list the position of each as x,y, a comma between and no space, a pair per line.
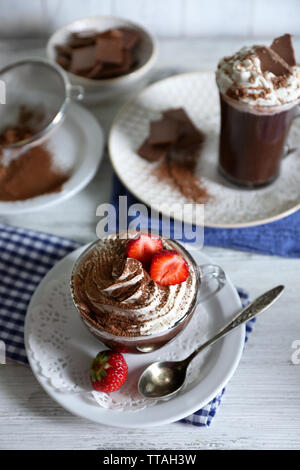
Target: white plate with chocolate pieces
164,144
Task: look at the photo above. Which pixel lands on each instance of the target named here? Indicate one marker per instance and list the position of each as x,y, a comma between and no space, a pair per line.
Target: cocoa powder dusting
178,170
29,175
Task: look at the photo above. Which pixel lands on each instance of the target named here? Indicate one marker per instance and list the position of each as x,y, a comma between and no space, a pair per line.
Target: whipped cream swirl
120,295
242,72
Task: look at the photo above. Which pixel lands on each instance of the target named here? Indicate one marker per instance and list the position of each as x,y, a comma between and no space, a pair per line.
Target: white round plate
219,366
228,206
78,143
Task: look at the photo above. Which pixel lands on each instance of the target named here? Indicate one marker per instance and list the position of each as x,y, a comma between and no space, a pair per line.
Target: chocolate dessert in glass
122,302
259,90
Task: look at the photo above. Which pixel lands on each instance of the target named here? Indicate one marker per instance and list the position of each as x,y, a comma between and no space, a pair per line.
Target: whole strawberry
108,371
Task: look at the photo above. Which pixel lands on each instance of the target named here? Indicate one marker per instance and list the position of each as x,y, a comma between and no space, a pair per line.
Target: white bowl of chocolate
104,54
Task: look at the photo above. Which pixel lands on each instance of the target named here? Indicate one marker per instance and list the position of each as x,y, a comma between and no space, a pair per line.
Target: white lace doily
63,348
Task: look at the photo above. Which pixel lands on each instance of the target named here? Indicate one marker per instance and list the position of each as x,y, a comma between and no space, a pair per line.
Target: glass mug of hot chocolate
135,292
259,90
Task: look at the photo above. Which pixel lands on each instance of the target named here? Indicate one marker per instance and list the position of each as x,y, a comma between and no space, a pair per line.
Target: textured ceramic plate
78,146
219,365
228,206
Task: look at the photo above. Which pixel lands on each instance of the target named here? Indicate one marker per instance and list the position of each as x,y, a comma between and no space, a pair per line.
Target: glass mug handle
207,273
288,149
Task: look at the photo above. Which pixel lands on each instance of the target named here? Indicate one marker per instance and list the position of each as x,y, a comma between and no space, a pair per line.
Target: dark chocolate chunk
76,42
189,134
64,50
85,34
114,70
153,153
164,131
83,59
110,50
283,46
110,34
96,71
272,62
130,37
97,55
63,61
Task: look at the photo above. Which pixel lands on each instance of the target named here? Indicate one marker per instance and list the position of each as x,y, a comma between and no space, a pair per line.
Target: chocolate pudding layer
118,296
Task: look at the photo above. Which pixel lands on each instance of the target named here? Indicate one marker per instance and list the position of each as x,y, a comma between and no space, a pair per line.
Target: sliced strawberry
168,268
143,247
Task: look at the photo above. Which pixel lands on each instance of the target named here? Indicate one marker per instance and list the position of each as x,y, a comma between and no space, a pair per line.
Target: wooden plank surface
261,407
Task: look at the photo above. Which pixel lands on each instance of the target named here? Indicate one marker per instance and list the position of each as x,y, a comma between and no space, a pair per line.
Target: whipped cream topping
241,77
120,295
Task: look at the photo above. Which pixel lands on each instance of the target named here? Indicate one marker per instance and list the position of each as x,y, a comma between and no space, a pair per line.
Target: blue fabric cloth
25,258
277,238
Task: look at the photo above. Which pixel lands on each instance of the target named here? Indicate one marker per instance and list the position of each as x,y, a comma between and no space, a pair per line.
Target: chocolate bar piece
272,62
130,37
95,71
110,34
97,55
174,136
164,131
114,70
153,153
85,34
75,43
63,61
83,59
284,48
189,134
109,50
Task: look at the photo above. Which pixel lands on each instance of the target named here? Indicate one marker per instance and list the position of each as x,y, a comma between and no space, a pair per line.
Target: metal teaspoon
165,379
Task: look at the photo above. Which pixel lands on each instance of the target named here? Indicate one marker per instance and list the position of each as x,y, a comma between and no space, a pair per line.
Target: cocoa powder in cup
26,173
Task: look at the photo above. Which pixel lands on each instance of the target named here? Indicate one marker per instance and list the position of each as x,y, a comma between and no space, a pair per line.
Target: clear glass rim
259,109
61,111
140,337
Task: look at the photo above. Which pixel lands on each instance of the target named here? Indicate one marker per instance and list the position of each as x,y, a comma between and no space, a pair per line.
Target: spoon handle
259,305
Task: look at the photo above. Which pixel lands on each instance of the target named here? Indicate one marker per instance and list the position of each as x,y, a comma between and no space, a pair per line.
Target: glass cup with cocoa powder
37,95
259,97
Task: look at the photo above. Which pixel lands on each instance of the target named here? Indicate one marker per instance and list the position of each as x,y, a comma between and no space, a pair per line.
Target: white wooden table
261,407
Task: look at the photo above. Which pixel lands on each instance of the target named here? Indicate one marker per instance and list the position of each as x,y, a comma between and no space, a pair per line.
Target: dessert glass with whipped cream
123,307
259,95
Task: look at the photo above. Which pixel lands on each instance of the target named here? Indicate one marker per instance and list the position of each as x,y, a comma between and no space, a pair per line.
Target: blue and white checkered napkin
25,258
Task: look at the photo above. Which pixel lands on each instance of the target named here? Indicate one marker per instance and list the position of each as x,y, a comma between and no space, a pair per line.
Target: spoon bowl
162,379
